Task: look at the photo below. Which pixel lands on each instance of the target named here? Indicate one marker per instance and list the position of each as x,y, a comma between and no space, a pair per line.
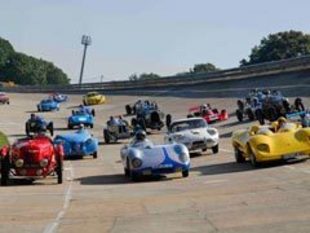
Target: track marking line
52,227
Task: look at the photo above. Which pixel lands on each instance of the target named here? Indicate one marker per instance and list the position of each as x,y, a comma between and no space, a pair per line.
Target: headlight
212,131
19,162
263,147
43,162
183,157
136,162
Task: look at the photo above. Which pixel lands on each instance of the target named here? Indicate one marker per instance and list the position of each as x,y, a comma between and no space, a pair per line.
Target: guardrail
263,69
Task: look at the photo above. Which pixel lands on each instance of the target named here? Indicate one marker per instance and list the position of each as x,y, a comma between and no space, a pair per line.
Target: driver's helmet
266,92
140,135
255,100
32,116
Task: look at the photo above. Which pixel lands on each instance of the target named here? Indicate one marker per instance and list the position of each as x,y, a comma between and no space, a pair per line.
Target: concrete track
218,196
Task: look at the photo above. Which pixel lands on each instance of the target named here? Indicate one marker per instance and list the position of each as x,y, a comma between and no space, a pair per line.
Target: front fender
4,151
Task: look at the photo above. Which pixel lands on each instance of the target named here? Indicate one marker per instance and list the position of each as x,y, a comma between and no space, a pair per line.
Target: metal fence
263,69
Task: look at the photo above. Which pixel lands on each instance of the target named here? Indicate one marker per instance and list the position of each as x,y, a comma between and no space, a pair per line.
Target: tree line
274,47
27,70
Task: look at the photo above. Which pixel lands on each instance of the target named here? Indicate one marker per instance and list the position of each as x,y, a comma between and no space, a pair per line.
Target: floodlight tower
86,41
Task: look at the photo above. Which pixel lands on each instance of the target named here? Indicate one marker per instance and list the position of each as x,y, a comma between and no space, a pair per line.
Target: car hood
77,137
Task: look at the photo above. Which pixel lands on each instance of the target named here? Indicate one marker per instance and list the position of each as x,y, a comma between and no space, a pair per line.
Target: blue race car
48,105
84,109
59,97
78,144
80,117
37,124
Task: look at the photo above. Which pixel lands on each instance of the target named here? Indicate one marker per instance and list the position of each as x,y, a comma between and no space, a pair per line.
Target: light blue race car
80,117
144,158
78,144
60,98
48,105
84,109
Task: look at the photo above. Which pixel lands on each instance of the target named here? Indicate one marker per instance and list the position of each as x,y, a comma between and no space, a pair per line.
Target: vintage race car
140,106
4,98
210,115
48,105
84,109
32,158
93,98
194,133
115,132
78,144
38,125
263,143
59,97
80,117
145,158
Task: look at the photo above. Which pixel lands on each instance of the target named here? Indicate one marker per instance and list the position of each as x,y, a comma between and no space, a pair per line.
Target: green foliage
27,70
3,140
144,76
282,45
203,68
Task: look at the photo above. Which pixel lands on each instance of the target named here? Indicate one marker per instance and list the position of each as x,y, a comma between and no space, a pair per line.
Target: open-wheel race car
37,124
80,117
4,98
84,109
194,133
140,105
78,144
116,129
32,158
143,158
271,142
210,115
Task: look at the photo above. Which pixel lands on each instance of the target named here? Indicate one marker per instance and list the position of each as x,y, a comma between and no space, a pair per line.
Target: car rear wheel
93,112
106,136
95,155
185,173
239,115
91,126
238,156
59,171
168,120
27,129
5,170
128,109
51,128
215,149
70,126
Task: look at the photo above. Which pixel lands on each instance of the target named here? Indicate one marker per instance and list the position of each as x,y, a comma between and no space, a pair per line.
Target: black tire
215,111
128,109
299,104
253,161
126,169
238,156
59,171
27,129
106,136
84,102
133,176
260,116
142,123
91,126
39,109
93,112
239,115
168,120
8,102
70,126
134,122
215,149
95,155
185,173
250,114
5,170
50,127
204,149
73,112
189,116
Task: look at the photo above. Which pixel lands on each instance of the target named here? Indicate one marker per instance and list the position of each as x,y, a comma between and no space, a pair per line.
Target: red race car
4,99
32,158
209,114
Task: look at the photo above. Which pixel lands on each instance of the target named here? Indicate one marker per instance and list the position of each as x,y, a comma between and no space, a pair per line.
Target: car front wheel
185,173
215,149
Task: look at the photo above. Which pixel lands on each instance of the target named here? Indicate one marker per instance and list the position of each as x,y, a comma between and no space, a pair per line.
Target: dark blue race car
78,144
37,124
48,105
79,118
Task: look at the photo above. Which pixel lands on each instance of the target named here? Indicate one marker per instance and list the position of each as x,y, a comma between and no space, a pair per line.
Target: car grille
198,143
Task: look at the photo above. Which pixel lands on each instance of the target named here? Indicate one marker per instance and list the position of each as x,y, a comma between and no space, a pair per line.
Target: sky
136,36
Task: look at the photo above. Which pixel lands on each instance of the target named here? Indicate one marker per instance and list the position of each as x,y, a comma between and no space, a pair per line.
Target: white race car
144,158
194,133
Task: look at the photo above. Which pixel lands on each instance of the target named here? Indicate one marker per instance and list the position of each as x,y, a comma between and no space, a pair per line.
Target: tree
202,68
27,70
143,76
282,45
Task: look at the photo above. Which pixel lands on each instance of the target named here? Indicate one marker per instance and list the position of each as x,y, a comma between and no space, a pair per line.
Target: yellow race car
267,143
93,98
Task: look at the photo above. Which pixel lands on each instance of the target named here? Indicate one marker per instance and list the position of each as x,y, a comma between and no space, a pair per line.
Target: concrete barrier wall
263,69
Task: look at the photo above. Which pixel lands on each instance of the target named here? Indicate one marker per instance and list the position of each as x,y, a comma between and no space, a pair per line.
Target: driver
140,139
112,121
282,122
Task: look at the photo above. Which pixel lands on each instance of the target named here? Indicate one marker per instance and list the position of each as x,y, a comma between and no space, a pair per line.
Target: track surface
218,196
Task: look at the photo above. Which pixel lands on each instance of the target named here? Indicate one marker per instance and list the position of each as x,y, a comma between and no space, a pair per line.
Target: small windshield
92,94
46,101
188,124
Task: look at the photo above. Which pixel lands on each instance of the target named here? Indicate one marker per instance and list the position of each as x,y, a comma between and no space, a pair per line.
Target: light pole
86,40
